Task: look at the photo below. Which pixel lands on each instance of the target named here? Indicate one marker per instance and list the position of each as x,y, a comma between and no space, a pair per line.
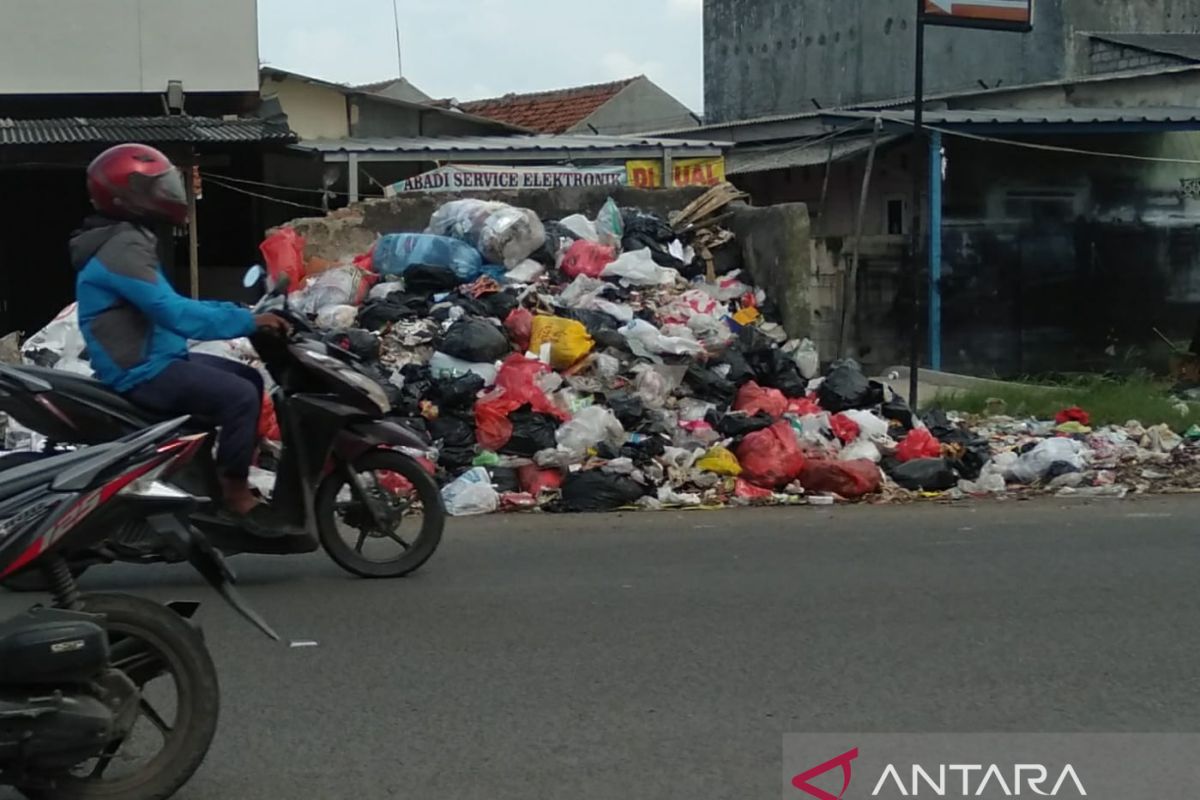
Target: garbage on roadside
626,361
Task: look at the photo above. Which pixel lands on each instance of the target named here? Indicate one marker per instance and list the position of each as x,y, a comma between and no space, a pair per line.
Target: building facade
765,57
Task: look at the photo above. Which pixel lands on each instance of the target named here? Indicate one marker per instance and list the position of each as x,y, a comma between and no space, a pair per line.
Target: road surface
664,655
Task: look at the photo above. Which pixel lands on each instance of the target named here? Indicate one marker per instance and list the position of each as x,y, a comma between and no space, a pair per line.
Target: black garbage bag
532,432
643,226
475,340
736,424
707,384
428,279
847,388
363,344
642,451
664,259
924,475
457,393
505,479
897,410
939,424
457,437
969,453
740,372
378,314
594,321
610,339
629,409
418,383
598,491
773,369
499,304
547,254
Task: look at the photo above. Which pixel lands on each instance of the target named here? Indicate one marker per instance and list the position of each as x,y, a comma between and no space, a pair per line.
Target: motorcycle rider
137,327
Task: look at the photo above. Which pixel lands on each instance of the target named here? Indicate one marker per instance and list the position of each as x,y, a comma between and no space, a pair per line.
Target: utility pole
399,51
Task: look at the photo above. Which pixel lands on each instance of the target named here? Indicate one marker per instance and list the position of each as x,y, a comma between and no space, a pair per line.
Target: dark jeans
218,391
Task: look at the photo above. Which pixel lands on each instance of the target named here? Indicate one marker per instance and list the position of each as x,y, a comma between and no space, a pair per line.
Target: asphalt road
664,655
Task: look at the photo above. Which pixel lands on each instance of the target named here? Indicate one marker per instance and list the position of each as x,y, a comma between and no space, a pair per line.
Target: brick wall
1105,58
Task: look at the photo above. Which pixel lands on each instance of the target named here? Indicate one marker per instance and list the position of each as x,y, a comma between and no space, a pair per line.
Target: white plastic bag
1035,465
61,337
339,286
804,353
471,494
872,427
336,318
504,234
590,427
647,339
638,269
382,290
581,226
610,225
861,450
527,271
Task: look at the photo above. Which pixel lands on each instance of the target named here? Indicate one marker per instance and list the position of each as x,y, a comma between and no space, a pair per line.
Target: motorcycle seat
33,474
94,393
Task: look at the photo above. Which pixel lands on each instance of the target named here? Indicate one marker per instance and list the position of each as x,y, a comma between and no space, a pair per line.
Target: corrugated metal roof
805,154
114,130
1037,116
1180,45
549,145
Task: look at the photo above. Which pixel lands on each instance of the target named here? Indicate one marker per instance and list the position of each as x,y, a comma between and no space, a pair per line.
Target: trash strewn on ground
625,362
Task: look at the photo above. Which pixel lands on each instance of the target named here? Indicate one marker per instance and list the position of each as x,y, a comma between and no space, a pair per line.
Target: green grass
1110,401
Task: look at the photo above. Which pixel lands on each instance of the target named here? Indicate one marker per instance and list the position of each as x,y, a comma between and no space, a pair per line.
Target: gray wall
642,107
381,118
765,57
128,46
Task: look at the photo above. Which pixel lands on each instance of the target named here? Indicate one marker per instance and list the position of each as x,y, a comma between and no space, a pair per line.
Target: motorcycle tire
181,647
416,553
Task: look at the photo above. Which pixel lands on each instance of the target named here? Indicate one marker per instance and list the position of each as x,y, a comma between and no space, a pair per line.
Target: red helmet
135,181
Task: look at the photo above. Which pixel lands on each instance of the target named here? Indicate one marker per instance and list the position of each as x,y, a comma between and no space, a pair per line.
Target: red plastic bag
515,387
1073,414
519,325
771,458
845,428
364,260
917,445
753,398
849,479
536,480
587,258
748,491
805,406
396,484
268,423
283,251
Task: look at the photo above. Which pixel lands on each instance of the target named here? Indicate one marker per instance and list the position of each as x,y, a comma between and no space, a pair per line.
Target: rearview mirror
253,276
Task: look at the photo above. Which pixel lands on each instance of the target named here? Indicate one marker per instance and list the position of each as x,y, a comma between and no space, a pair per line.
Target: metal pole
935,250
915,246
668,168
850,279
352,168
193,235
399,52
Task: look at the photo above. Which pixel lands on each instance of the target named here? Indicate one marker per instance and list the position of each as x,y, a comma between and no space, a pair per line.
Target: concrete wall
313,111
128,46
1104,58
640,108
780,56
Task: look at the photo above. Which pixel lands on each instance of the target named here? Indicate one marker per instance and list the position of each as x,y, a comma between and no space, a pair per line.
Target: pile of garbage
625,361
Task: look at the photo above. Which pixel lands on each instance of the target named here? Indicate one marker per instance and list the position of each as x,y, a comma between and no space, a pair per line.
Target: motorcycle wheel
342,516
149,642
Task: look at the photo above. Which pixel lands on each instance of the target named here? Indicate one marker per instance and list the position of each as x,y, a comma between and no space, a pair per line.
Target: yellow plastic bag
568,339
721,461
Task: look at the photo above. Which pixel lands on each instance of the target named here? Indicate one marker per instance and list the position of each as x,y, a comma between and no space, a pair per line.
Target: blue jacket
134,323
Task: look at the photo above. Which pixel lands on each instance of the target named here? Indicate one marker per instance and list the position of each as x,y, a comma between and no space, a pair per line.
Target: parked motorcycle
347,475
104,695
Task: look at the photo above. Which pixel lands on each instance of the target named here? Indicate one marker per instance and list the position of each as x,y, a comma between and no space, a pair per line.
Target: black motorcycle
347,475
104,695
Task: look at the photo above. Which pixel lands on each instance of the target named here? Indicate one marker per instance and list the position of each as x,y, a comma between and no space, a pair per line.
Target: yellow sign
687,172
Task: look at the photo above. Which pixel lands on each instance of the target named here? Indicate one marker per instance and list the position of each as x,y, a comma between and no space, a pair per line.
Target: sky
470,49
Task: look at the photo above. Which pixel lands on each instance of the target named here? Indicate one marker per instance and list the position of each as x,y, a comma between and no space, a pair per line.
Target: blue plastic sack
396,253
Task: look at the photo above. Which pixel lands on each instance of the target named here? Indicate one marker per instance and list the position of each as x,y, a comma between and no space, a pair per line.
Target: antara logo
948,780
975,779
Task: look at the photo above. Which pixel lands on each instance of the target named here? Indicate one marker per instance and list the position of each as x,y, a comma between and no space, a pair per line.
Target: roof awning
1036,121
150,130
503,149
803,154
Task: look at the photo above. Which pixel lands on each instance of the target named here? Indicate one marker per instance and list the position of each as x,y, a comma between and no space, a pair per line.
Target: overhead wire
230,187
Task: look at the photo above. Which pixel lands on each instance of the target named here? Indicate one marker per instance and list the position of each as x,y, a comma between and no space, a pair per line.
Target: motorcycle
82,682
348,476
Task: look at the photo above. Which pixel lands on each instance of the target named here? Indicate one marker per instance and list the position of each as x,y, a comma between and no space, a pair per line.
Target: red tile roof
547,112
